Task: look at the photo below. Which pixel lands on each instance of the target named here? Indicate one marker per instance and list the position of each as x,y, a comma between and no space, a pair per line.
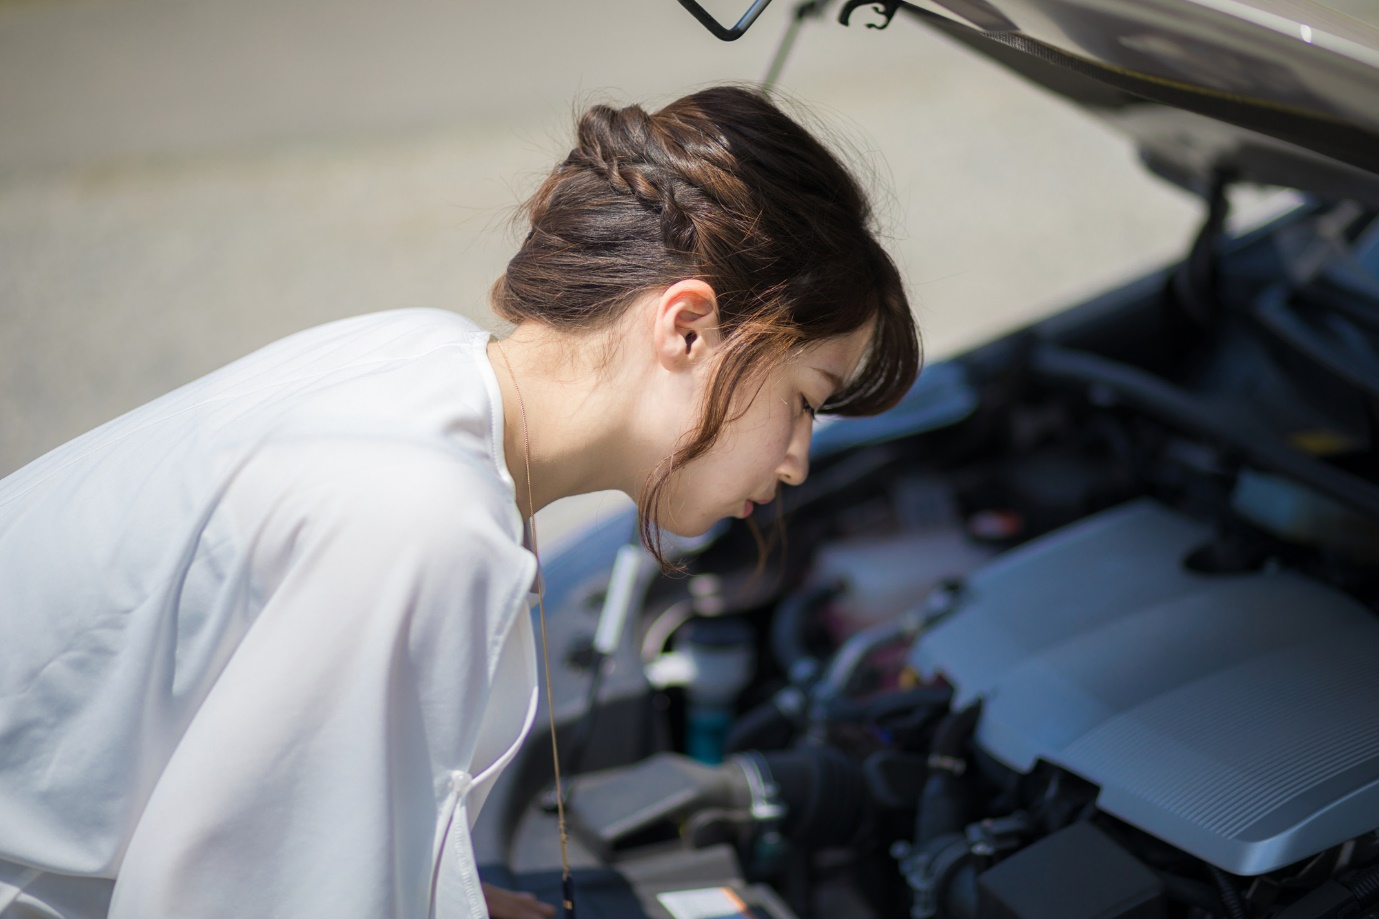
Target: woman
266,637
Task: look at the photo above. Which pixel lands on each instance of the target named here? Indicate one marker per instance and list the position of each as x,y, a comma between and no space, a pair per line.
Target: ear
685,324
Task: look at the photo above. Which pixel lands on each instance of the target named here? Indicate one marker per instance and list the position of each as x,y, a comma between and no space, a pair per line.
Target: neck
578,435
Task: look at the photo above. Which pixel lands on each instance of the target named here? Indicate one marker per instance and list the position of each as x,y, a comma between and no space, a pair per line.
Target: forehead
835,359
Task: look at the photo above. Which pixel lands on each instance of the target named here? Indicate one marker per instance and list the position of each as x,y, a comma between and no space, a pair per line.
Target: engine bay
1085,628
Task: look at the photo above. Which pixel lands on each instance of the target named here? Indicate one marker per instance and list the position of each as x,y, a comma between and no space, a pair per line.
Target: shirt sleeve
321,775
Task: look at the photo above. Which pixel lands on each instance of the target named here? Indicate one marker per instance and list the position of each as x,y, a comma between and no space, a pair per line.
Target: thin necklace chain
545,650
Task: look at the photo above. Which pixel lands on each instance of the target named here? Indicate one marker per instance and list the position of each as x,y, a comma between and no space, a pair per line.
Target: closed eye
808,409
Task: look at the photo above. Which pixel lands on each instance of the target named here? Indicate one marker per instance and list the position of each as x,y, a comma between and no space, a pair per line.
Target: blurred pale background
182,181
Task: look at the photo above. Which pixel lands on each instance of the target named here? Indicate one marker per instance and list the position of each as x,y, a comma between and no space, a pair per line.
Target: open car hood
1277,92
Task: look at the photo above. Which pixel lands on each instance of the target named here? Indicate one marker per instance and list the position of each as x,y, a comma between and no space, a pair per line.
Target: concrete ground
182,181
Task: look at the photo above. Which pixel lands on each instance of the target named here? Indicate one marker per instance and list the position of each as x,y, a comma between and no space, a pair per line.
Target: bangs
891,362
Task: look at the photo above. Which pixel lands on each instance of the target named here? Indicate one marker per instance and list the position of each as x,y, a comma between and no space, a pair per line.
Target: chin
689,529
693,524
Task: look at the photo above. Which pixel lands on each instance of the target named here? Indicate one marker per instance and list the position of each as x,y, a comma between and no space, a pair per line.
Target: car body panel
1277,93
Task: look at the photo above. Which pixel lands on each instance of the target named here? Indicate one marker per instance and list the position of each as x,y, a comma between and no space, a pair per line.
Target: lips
751,504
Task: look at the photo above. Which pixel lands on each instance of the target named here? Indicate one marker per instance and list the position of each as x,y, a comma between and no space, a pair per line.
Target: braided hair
724,187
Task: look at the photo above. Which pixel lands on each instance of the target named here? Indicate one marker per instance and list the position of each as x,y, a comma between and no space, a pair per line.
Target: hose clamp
953,765
766,805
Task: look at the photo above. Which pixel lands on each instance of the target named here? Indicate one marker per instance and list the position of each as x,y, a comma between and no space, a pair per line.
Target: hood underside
1283,92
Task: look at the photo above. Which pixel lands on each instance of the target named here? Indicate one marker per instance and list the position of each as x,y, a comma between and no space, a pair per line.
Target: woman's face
765,445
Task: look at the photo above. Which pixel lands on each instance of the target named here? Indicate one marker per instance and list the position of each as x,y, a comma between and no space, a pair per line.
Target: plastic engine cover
1233,716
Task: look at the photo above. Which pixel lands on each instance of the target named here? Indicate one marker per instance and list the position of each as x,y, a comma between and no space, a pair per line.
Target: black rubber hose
1186,411
824,793
1230,894
1272,311
1365,886
923,702
943,807
793,616
951,737
1351,296
943,804
1205,897
766,727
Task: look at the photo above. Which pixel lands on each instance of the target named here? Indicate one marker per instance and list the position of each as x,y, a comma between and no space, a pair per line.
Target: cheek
727,469
746,452
757,454
761,437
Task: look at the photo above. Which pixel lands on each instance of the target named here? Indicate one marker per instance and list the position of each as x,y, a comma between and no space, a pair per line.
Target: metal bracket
720,31
886,8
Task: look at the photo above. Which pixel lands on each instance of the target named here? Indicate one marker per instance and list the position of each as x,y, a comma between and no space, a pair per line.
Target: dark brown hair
722,186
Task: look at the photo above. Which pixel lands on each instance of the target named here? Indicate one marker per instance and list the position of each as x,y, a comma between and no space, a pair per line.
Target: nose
794,467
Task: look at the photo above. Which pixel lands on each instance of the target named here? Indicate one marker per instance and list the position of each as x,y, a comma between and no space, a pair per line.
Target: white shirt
264,643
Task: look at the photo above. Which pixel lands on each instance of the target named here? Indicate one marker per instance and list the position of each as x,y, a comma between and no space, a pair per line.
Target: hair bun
622,147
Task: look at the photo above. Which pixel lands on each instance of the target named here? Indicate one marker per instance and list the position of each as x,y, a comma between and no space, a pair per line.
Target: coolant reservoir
722,653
